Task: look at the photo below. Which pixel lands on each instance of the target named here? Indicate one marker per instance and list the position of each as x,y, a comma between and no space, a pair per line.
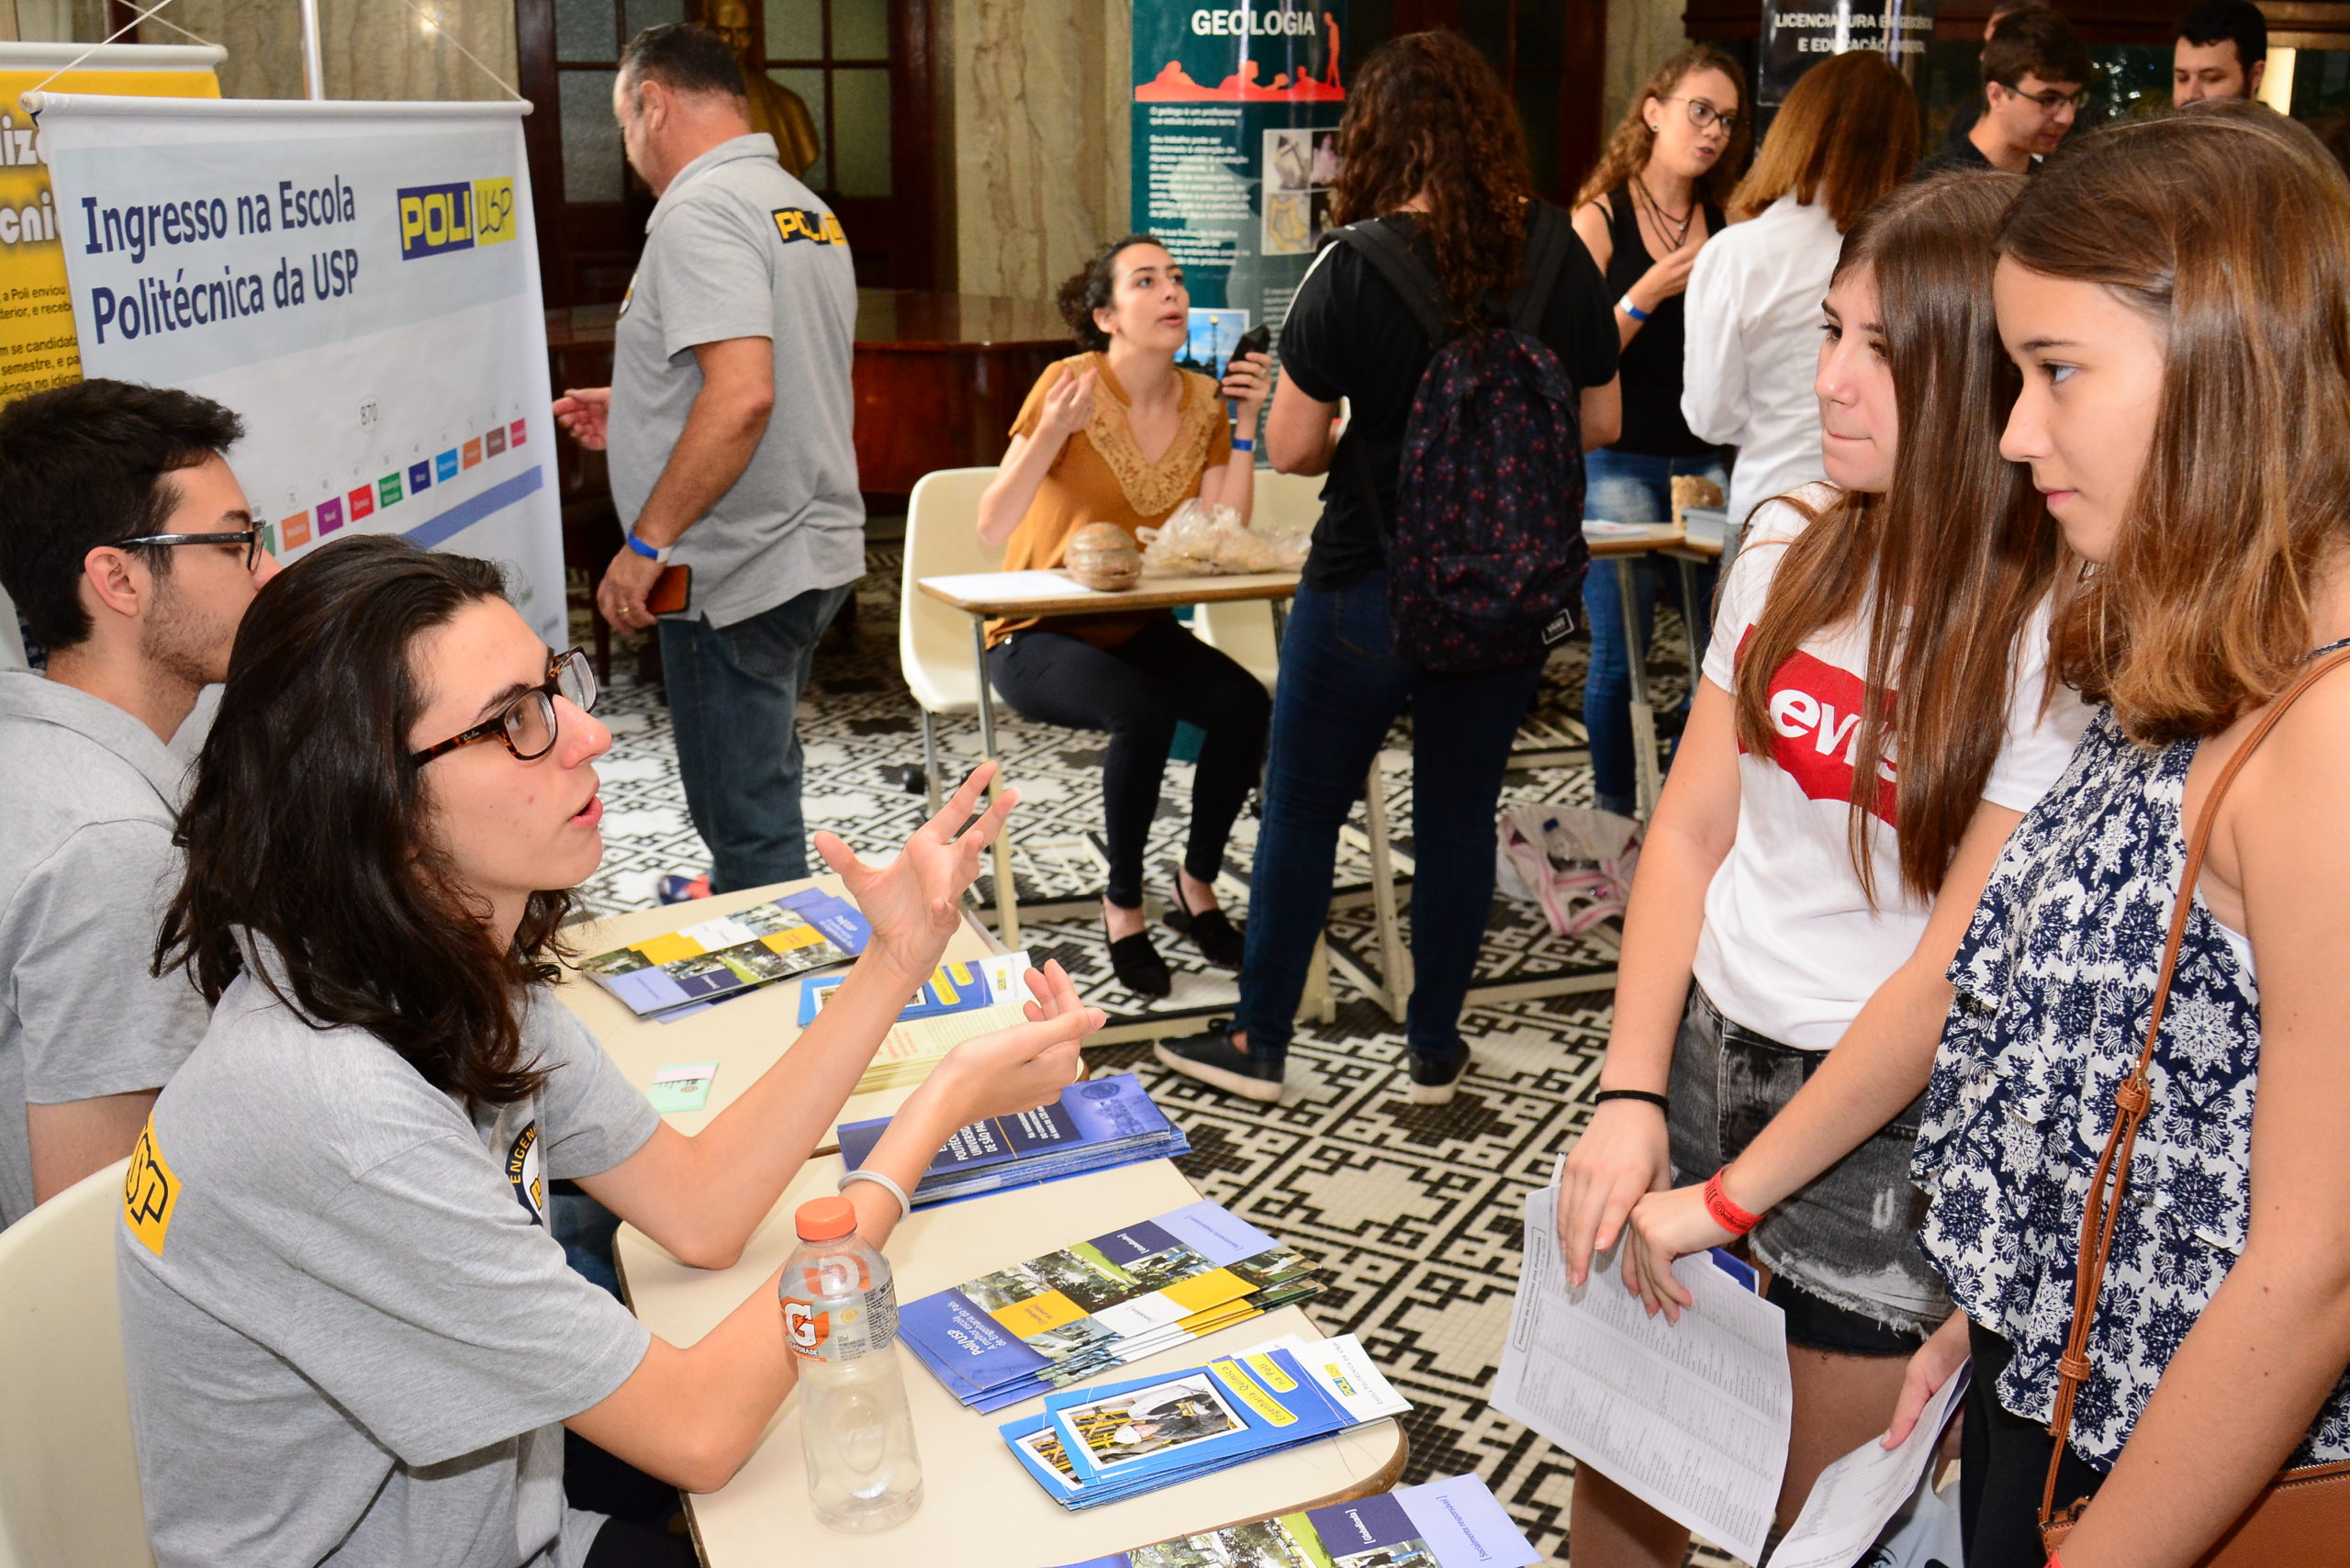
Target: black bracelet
1605,1095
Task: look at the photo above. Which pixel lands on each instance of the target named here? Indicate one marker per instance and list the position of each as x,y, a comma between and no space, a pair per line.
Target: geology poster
1235,142
358,280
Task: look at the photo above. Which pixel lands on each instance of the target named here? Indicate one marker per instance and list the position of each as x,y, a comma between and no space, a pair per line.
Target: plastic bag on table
1211,541
1575,862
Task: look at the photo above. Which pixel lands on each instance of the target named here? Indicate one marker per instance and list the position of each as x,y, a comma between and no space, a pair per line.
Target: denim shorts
1843,1250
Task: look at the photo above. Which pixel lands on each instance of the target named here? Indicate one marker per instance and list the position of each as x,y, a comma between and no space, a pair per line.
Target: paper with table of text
1690,1418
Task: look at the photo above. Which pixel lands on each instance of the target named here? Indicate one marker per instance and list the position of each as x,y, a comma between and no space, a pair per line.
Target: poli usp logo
458,215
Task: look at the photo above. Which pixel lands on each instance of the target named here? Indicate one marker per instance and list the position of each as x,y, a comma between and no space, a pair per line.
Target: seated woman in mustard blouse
1119,434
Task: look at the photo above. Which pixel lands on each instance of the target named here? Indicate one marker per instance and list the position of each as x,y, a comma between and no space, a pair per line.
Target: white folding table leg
1007,897
1647,775
1395,963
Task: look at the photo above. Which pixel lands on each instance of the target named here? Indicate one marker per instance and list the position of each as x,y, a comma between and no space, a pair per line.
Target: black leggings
2003,1468
621,1544
1137,691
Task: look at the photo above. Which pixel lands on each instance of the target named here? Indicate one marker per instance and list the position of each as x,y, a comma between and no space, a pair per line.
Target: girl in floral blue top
2177,296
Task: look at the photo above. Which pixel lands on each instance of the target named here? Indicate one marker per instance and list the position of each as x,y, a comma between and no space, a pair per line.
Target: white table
979,1505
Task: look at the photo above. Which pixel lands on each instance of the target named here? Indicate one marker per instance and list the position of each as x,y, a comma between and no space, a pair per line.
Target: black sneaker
1216,1061
1435,1078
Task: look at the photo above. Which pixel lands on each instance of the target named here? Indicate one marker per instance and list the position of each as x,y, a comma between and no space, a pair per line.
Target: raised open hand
911,902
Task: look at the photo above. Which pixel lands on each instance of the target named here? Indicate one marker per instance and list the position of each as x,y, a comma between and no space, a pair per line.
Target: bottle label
845,1331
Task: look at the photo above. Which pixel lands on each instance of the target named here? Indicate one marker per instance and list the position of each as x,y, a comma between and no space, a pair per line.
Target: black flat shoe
1219,940
1139,968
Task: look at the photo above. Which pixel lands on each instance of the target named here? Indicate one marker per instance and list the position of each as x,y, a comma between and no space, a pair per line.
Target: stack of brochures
716,959
1095,1125
1453,1523
959,1002
1101,1445
1058,1319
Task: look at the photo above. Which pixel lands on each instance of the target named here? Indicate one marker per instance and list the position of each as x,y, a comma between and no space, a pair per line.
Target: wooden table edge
1195,590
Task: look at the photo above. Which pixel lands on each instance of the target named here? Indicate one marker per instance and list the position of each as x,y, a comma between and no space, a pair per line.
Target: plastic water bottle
840,1313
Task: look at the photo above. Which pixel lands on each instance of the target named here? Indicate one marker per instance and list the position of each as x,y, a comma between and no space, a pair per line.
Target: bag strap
1393,260
2101,1213
1547,235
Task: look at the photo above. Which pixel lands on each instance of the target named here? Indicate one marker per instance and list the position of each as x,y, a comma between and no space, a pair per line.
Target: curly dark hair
1087,290
1428,117
306,825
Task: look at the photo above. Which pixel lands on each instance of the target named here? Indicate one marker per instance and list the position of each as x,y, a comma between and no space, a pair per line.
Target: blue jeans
1341,687
733,701
1622,486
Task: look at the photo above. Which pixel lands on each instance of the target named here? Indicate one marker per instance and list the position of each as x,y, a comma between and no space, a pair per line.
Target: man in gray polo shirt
728,425
125,541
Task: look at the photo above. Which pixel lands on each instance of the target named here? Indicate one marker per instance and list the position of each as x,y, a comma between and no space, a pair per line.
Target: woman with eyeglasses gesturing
349,1331
1655,198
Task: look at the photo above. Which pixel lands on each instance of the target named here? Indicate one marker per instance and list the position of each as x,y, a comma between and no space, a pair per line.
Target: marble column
1039,138
372,49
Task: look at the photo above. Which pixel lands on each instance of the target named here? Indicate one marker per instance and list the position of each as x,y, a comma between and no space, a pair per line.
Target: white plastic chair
69,1473
933,639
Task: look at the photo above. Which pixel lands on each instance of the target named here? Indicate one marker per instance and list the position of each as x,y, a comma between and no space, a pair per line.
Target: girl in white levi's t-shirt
1799,895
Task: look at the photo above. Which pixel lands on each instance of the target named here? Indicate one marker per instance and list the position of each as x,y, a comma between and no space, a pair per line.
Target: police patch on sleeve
149,1192
795,224
522,1171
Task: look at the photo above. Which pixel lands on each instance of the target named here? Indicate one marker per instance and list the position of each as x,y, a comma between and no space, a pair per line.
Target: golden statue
772,106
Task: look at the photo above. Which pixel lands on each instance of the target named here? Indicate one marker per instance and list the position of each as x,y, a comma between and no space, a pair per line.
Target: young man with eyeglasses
127,544
2036,74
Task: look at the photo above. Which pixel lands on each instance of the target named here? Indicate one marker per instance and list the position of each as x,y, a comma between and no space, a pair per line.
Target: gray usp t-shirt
350,1336
87,796
736,248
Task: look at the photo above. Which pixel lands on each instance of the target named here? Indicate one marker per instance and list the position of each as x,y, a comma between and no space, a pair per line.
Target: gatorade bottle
840,1313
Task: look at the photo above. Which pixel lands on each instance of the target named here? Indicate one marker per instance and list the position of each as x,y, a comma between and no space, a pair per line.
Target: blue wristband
1629,309
1242,444
641,547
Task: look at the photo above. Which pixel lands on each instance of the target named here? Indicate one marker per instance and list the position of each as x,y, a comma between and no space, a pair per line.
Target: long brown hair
306,825
1946,568
1426,117
2231,226
1628,149
1847,134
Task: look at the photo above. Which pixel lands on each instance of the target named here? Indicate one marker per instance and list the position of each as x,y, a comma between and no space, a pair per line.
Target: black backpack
1485,553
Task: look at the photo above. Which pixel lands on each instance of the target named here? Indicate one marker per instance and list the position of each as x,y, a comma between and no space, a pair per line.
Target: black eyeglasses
248,537
1703,114
527,724
2052,101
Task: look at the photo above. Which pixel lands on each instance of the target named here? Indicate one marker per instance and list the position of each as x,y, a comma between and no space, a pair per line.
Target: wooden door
865,67
1552,57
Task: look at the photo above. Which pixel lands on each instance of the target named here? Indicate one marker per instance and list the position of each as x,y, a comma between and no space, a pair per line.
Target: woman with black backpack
1431,156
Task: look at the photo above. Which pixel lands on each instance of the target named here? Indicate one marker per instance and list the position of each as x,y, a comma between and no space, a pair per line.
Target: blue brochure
1453,1523
727,955
1094,1125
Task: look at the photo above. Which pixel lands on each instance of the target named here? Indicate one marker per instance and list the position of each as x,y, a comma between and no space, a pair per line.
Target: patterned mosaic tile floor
1414,1210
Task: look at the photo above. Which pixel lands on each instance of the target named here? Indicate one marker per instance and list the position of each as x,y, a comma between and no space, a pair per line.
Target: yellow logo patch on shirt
149,1192
796,224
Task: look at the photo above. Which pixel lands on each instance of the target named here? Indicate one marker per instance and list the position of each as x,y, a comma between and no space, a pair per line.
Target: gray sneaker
1216,1061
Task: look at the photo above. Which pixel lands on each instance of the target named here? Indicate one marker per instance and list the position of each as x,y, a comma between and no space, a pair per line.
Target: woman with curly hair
1655,198
1118,434
1429,150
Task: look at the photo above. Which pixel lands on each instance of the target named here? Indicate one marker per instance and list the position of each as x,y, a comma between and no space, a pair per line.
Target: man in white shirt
126,542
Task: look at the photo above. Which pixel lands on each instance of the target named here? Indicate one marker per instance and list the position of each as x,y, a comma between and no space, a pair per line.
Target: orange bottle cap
824,1219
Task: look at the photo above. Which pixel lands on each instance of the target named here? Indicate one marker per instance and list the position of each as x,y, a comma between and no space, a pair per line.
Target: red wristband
1726,1214
2053,1563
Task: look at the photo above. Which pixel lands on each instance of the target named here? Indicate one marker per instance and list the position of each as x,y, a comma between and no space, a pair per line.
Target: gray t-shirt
736,248
87,795
350,1336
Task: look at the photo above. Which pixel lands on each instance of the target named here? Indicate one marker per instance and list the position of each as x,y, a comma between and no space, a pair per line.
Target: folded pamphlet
1456,1522
1095,1125
1101,1445
959,987
1057,1320
716,959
